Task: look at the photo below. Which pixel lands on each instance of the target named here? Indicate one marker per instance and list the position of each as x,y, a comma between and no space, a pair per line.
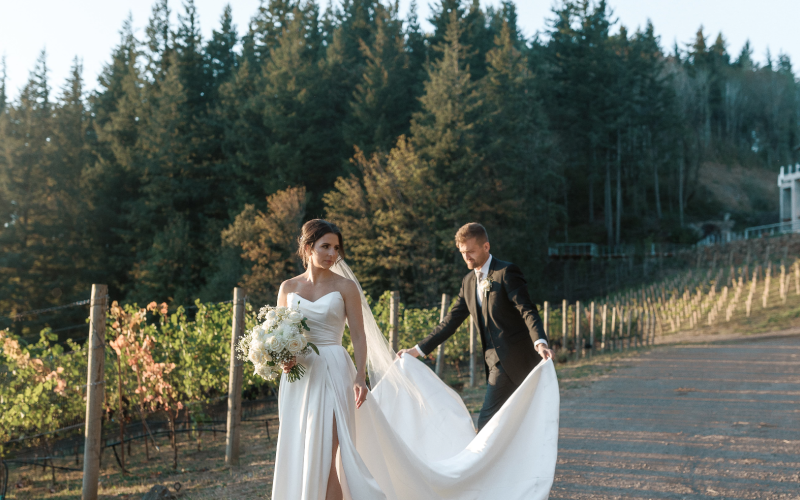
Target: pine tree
158,56
3,93
515,142
584,102
476,36
444,134
116,113
168,218
416,47
77,254
189,58
303,113
380,106
266,28
388,212
28,199
220,52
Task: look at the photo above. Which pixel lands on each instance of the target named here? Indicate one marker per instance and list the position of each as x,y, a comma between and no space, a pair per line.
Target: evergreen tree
585,100
112,181
580,135
444,134
220,52
266,28
416,47
388,212
3,92
29,205
380,108
303,114
190,61
158,55
514,142
476,36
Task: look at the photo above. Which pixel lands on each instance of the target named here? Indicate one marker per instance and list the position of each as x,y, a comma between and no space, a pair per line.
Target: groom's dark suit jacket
508,321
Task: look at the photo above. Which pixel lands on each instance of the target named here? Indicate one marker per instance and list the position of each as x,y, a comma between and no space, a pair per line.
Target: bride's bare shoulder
290,285
346,286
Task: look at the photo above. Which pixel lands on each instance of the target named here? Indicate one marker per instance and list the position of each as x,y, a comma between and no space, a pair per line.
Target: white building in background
789,189
789,201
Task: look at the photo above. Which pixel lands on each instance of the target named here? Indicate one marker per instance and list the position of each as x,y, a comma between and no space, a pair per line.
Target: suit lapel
470,291
485,297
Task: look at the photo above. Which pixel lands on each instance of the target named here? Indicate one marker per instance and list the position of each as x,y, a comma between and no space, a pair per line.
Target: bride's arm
282,295
355,319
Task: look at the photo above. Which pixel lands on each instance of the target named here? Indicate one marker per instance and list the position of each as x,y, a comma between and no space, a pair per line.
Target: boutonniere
485,284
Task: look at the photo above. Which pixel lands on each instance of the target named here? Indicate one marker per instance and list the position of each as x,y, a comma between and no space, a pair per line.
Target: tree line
191,166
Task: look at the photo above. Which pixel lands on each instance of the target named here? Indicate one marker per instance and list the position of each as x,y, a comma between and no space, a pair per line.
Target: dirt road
687,422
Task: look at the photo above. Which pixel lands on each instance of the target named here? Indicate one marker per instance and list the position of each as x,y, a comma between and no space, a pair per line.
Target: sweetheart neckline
318,299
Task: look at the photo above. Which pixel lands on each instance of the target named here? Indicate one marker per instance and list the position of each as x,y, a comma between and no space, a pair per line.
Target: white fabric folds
413,438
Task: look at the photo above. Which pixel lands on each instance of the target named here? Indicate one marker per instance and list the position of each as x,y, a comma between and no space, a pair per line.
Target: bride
411,437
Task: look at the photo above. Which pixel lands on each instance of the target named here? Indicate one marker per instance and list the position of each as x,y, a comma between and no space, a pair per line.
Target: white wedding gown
407,444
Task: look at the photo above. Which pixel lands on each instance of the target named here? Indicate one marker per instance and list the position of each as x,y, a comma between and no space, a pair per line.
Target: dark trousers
500,387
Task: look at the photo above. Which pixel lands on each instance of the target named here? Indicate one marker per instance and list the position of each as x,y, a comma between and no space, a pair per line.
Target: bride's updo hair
311,232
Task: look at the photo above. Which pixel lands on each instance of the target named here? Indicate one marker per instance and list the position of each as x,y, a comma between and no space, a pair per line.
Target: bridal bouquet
276,340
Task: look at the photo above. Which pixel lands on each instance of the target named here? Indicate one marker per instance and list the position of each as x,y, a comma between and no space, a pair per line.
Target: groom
496,295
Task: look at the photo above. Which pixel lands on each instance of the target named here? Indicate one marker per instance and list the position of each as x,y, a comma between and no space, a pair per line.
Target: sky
89,29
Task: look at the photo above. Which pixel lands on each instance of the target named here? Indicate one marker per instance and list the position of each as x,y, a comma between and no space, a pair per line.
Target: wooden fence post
95,378
473,351
440,350
235,381
547,319
651,311
628,320
578,343
564,313
603,328
613,330
394,312
591,329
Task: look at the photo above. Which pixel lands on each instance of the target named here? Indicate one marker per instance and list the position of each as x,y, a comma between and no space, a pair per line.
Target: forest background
191,167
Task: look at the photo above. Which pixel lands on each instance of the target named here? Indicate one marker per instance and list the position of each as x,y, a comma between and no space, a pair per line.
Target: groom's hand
544,352
411,352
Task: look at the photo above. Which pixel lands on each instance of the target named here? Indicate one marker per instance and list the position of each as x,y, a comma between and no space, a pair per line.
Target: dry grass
202,473
775,317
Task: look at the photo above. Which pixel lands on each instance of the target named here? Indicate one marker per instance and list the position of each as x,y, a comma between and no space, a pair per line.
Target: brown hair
471,230
311,232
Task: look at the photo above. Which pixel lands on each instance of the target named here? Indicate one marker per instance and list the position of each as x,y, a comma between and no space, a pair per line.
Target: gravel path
687,422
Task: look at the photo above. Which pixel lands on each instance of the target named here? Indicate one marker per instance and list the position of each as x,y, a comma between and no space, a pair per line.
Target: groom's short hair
472,230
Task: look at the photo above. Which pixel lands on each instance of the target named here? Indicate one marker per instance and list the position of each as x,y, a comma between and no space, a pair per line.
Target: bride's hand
360,388
287,367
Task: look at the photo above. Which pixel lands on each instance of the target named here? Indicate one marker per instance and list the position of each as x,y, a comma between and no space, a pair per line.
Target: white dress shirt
480,273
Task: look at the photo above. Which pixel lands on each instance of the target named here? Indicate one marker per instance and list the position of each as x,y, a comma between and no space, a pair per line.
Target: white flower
282,310
294,345
254,355
271,315
485,285
258,353
295,317
275,343
265,371
262,337
283,330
